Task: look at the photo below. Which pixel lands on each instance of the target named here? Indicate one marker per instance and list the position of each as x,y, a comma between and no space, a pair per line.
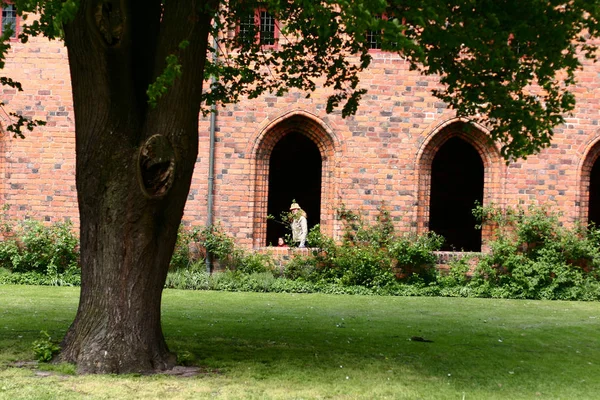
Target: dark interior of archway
594,205
456,184
294,174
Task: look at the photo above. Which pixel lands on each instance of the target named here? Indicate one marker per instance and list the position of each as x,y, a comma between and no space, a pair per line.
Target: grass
263,346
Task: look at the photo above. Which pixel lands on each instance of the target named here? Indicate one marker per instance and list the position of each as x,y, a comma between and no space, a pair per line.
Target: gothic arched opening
594,201
294,174
456,184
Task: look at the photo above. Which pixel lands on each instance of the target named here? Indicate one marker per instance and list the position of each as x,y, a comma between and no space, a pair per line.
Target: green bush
370,254
535,257
255,263
183,257
193,246
458,274
415,258
34,247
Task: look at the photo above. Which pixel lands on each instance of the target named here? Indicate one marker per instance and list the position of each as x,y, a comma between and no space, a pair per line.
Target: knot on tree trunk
156,166
109,20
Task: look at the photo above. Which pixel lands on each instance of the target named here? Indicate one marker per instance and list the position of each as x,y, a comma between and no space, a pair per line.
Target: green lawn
294,346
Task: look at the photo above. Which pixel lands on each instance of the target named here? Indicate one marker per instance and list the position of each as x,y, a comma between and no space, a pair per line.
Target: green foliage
357,231
414,256
535,257
183,256
165,80
255,263
192,279
31,246
532,257
185,358
458,274
488,56
44,349
194,245
72,277
370,255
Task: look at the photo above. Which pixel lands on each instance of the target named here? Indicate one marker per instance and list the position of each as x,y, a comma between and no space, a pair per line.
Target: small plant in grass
44,349
185,358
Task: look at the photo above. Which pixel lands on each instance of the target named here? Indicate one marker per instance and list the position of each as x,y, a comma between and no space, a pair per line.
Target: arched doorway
457,178
295,170
594,198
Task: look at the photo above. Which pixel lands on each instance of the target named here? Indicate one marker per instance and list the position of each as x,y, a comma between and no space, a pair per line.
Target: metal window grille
9,19
267,29
374,38
247,31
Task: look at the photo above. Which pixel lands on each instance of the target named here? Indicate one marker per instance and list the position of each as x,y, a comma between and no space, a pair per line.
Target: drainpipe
211,160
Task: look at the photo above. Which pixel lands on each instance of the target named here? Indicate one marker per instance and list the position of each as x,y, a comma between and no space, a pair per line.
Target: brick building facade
404,150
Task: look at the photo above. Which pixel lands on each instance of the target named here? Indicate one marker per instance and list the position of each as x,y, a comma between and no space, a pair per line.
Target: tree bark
133,171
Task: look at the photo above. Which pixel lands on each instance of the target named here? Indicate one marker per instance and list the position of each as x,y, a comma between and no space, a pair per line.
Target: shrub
183,257
414,256
34,247
369,255
535,257
300,267
193,246
255,263
458,273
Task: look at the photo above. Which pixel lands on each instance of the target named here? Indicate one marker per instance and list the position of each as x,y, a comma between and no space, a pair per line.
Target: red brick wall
38,173
380,156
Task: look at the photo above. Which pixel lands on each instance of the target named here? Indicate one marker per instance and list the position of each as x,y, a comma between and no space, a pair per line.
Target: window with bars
9,19
259,26
267,29
374,38
247,29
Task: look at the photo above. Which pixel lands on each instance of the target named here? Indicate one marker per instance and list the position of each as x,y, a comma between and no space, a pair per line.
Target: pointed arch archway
285,139
454,151
589,183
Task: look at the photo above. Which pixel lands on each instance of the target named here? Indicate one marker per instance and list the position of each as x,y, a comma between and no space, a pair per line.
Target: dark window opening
594,204
294,174
9,19
456,184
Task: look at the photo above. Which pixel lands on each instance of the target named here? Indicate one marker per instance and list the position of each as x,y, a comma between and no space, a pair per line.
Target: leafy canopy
507,64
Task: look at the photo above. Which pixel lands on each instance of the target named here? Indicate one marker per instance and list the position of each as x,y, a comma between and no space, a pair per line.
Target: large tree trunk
134,169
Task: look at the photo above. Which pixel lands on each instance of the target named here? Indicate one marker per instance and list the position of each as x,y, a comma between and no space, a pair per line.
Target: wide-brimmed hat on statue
294,206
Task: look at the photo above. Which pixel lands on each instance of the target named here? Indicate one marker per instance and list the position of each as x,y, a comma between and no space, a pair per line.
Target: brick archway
262,148
590,156
492,166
